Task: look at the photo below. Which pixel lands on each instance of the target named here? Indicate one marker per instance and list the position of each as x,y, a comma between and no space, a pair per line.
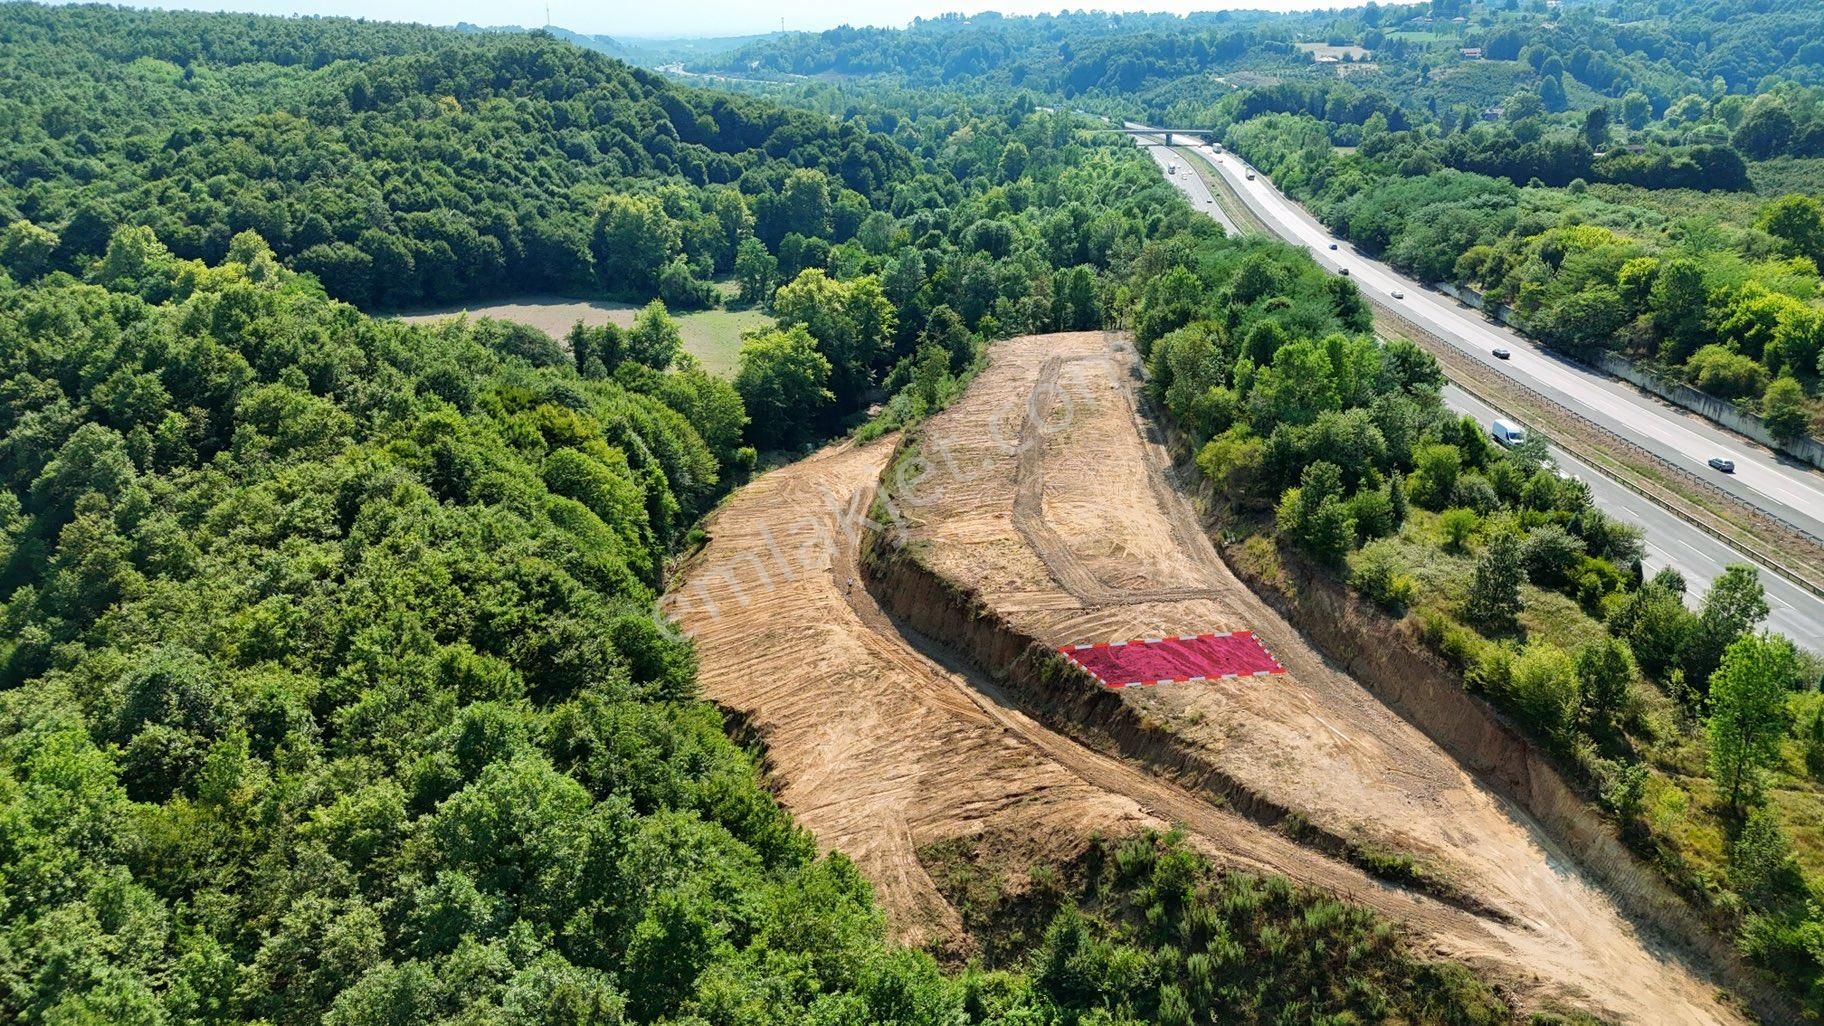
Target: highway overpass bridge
1205,134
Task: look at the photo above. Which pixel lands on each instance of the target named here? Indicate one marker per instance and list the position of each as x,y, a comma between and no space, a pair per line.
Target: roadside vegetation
1697,730
1604,190
1720,293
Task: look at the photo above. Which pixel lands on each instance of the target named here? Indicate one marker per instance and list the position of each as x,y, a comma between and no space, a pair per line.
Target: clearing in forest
712,336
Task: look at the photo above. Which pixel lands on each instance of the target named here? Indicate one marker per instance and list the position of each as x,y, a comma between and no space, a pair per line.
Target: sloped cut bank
1422,689
1369,647
1064,697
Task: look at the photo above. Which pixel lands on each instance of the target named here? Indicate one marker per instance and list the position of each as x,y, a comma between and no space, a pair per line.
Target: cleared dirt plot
876,749
1046,496
884,746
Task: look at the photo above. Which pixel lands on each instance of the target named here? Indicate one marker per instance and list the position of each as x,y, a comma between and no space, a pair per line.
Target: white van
1507,432
1171,169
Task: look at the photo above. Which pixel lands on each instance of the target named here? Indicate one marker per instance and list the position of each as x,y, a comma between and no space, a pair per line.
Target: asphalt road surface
1778,485
1670,540
1191,184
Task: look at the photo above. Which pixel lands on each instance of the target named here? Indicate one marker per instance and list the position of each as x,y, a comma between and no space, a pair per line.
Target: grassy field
712,336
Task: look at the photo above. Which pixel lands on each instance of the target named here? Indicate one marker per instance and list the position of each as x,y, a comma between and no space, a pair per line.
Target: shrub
1315,517
1475,492
1544,689
1724,372
1377,573
1494,591
1551,555
1783,408
1761,867
1626,792
1604,670
1232,460
1434,477
1458,526
1373,510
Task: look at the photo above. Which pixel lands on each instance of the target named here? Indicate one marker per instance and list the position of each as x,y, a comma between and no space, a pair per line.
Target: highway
1670,540
1781,487
1193,187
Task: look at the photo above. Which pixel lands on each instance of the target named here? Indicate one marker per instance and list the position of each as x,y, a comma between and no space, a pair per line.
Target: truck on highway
1507,433
1171,168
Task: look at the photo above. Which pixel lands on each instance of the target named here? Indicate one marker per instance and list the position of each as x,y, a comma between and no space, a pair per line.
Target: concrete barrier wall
1706,405
1676,392
1470,297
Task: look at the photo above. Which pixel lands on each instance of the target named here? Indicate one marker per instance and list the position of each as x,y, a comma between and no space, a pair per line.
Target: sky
702,17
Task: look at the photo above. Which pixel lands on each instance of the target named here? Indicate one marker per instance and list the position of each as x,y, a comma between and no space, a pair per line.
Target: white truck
1507,432
1171,168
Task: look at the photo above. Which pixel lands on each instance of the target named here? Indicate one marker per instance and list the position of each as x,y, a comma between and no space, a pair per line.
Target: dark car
1344,271
1501,354
1718,463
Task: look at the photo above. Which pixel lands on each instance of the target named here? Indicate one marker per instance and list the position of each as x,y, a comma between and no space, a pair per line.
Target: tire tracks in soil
884,742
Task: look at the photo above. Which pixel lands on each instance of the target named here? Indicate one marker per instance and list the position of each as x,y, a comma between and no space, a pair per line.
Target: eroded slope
1042,494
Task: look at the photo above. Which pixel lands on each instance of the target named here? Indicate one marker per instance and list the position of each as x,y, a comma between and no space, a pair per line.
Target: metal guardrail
1795,554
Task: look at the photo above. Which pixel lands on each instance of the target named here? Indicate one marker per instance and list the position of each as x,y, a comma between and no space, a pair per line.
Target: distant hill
647,52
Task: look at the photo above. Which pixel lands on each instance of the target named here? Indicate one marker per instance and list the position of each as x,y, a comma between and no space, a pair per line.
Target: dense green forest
334,693
1638,177
1072,54
411,167
331,683
398,172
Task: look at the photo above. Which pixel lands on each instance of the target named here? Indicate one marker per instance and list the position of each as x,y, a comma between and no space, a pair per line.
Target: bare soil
1046,493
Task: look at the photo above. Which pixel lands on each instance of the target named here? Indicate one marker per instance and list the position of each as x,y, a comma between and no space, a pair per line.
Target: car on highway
1398,294
1501,354
1719,463
1344,271
1333,245
1250,176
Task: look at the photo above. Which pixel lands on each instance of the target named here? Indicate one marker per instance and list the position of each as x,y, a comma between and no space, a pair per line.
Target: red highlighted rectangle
1126,664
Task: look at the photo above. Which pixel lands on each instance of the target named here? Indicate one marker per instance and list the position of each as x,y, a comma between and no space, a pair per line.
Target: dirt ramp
884,743
1050,442
872,747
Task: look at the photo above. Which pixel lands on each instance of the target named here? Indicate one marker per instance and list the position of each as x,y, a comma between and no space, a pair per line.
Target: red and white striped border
1067,649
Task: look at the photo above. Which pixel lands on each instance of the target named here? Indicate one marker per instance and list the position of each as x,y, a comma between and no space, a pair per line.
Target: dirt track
1067,521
